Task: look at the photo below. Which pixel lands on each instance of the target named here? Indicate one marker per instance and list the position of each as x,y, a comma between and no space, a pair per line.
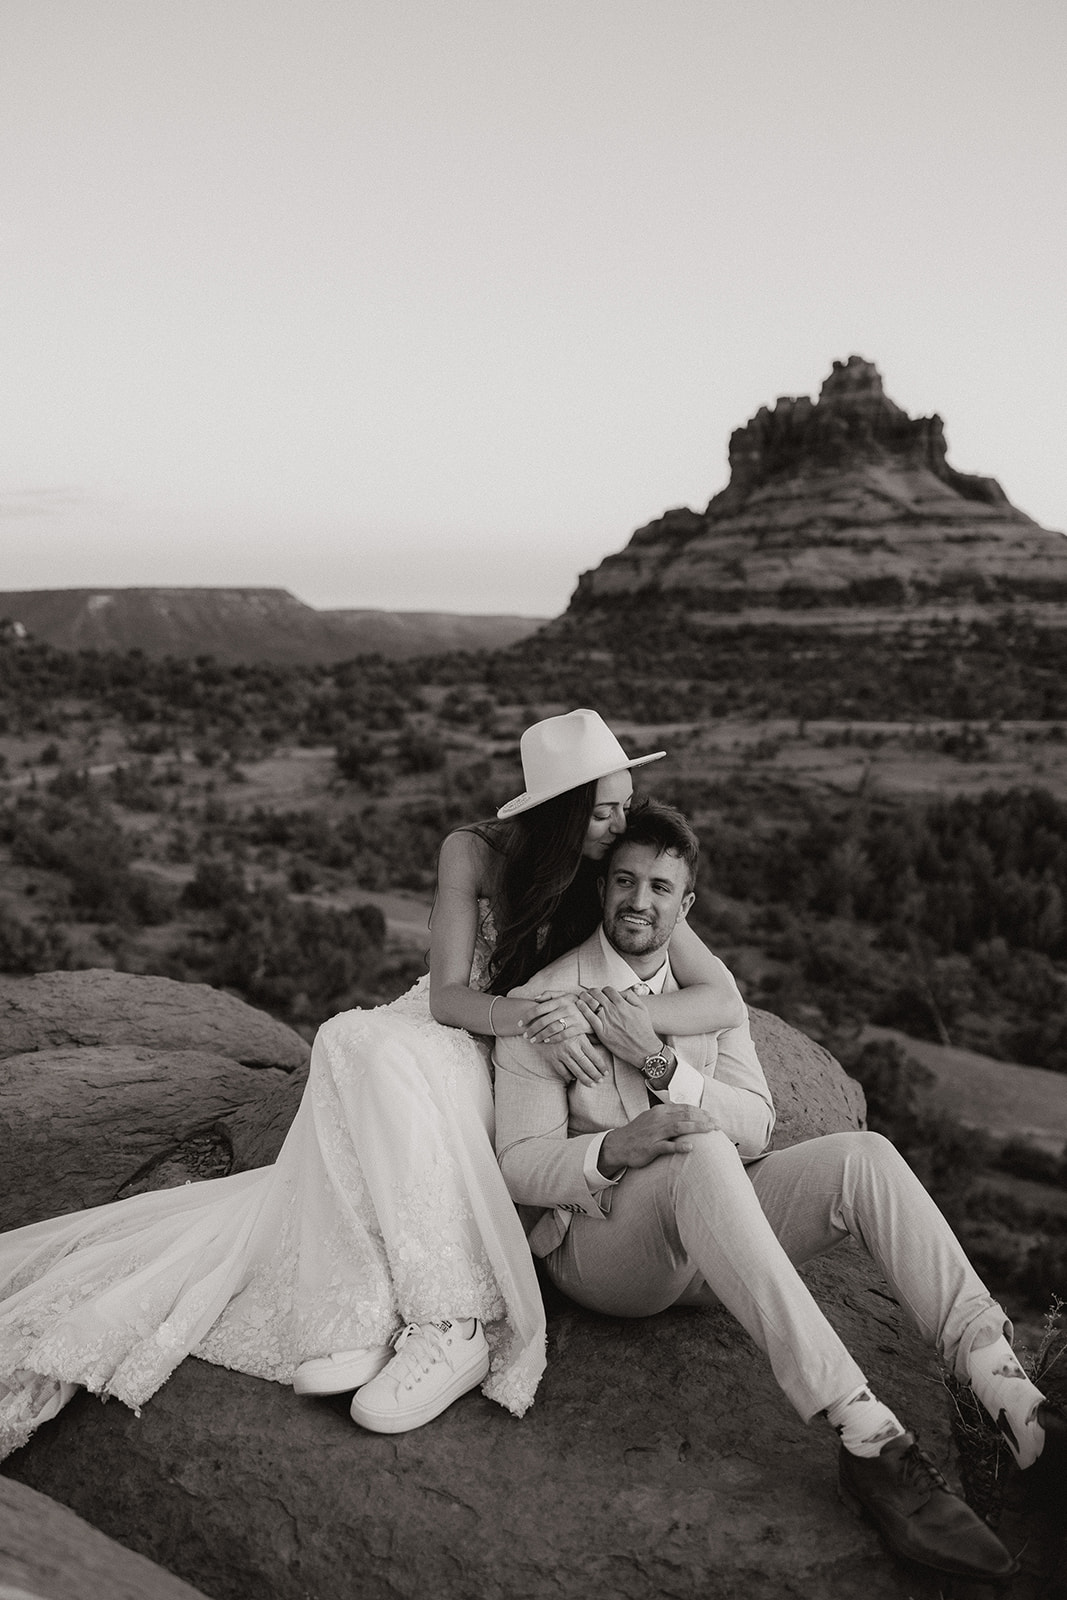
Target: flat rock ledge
659,1458
48,1553
57,1010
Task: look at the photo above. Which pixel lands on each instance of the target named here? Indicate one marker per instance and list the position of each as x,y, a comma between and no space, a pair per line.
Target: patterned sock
1010,1398
863,1422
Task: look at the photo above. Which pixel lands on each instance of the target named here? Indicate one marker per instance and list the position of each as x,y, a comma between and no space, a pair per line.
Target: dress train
385,1206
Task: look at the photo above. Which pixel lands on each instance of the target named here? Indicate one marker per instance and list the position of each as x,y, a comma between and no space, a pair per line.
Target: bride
381,1252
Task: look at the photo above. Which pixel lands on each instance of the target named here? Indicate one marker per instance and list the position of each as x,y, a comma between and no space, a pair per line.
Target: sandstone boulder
52,1010
48,1553
659,1458
80,1126
812,1094
111,1083
839,511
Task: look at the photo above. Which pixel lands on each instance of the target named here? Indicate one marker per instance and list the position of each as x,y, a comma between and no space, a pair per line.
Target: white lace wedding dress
385,1206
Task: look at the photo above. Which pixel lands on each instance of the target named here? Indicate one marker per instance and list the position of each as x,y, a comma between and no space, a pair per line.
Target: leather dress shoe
918,1516
1048,1475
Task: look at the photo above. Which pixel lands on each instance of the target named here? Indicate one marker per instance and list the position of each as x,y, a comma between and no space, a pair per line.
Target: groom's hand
574,1060
665,1130
621,1022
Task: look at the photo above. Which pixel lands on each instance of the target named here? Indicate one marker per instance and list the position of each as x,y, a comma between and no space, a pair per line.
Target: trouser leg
698,1213
823,1190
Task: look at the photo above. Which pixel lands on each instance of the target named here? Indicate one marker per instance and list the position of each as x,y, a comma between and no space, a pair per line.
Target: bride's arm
707,998
461,877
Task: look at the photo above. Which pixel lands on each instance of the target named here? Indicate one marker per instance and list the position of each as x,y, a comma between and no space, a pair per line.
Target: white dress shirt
687,1084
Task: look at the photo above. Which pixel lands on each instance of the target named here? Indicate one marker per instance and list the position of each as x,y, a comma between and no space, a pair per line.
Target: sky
428,304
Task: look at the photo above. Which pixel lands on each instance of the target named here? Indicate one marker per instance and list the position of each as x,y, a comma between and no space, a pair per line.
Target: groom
654,1188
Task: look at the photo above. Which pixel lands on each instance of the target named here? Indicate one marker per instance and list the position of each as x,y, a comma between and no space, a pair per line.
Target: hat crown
571,749
566,752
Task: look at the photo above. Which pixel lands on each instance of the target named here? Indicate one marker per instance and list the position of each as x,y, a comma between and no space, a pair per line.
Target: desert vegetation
873,857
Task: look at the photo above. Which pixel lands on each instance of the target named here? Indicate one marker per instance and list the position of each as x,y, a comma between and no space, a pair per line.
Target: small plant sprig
985,1459
1051,1346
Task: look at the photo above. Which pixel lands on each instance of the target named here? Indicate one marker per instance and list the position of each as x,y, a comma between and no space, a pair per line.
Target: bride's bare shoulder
470,859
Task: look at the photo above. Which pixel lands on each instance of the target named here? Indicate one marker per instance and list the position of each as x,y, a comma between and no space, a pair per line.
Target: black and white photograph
533,800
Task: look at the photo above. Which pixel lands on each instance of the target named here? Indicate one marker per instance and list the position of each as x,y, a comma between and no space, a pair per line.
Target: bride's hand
556,1017
573,1060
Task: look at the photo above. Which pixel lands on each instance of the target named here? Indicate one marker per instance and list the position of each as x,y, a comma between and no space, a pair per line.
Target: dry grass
986,1463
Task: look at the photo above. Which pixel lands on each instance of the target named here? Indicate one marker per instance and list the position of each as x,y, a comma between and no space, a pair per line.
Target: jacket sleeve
737,1095
541,1163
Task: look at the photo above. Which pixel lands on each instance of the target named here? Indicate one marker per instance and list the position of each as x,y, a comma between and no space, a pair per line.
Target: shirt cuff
594,1178
686,1087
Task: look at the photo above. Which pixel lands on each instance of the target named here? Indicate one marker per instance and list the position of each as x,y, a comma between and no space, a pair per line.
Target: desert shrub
893,1083
1024,1159
68,782
136,787
1043,1271
299,960
27,947
85,844
216,883
357,761
419,752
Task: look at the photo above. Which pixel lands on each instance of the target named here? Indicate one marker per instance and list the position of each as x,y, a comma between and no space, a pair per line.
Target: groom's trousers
701,1227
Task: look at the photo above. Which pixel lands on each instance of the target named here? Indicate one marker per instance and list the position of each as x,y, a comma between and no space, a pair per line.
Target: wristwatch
657,1065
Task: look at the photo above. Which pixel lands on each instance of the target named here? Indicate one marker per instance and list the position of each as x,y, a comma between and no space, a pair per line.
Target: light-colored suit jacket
544,1126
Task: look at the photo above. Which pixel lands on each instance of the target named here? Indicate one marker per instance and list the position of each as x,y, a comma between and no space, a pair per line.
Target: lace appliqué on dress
385,1206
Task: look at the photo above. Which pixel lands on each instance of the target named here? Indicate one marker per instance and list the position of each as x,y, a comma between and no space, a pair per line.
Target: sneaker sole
329,1376
418,1416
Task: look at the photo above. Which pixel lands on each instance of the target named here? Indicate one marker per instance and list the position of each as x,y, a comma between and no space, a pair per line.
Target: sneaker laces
418,1347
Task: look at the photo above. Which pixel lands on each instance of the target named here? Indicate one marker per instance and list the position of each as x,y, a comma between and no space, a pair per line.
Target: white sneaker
345,1370
434,1364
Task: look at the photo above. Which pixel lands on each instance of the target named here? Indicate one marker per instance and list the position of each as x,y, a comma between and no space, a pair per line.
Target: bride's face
613,796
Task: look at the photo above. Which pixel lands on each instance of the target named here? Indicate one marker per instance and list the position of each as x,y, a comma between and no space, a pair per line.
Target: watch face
656,1066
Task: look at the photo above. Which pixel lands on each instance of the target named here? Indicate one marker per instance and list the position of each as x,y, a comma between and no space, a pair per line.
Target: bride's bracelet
492,1003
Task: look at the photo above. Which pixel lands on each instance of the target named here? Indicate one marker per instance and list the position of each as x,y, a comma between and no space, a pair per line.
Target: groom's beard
635,933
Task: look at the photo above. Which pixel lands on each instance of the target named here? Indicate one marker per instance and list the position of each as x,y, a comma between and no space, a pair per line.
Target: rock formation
841,504
658,1458
112,1083
48,1553
58,1010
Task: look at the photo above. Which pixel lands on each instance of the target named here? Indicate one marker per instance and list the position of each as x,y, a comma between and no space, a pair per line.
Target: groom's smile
645,896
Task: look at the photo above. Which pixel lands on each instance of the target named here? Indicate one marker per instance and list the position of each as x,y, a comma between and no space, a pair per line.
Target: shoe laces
418,1347
918,1468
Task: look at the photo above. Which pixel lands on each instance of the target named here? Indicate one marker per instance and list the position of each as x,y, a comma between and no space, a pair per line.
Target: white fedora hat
564,752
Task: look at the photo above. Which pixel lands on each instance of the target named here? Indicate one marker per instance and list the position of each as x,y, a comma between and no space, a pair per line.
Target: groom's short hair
666,830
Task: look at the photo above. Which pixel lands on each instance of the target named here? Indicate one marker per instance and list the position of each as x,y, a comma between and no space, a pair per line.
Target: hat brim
527,800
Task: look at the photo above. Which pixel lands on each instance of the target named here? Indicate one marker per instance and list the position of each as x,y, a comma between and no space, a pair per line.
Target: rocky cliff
841,509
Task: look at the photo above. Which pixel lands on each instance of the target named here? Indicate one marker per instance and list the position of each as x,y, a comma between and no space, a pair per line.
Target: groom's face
645,897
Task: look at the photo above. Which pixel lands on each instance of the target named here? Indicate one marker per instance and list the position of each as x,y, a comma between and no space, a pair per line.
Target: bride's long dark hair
547,900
